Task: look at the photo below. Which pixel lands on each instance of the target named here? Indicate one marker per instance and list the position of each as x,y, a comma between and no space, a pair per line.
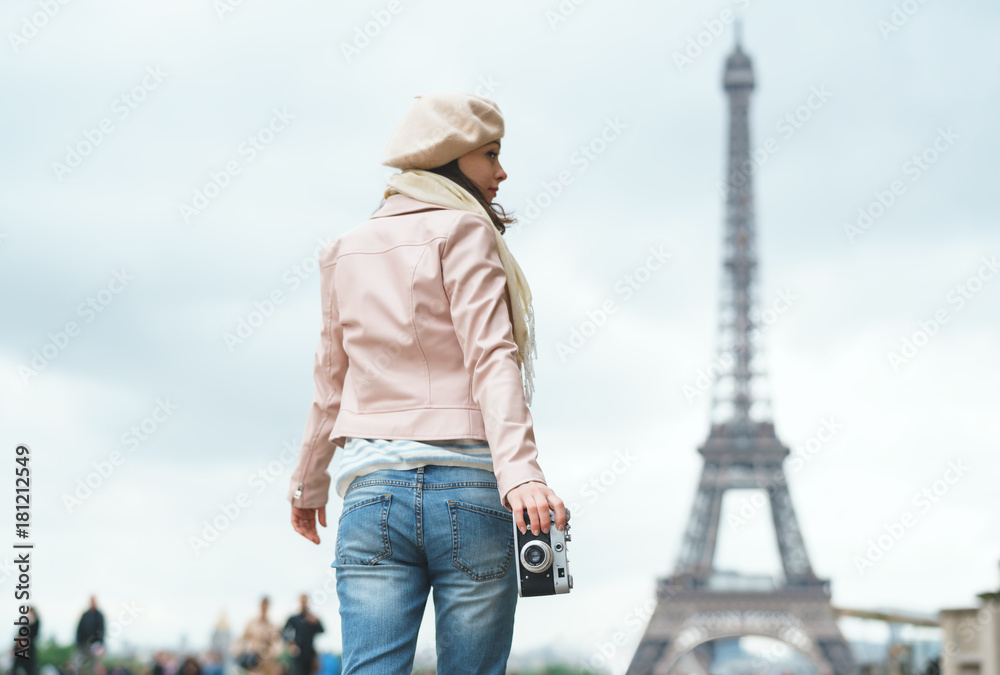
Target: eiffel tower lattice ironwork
696,604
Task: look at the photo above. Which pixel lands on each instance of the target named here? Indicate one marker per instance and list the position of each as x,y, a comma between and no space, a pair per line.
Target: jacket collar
399,203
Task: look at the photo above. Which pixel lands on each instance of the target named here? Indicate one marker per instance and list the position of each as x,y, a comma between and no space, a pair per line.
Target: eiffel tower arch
697,604
684,621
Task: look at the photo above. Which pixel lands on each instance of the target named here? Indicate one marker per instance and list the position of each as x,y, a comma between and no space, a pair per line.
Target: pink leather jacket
417,343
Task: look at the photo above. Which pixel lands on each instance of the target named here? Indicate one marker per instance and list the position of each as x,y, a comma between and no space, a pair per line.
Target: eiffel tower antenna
736,397
697,604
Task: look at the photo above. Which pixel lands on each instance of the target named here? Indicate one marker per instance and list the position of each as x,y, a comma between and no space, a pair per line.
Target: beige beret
440,127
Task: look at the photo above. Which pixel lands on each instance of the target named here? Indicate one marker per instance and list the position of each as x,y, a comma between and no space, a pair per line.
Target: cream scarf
428,186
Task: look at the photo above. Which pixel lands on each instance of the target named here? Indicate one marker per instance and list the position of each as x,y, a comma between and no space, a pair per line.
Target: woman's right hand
537,498
304,522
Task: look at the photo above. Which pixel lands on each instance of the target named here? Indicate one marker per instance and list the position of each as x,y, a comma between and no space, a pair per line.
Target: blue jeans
403,533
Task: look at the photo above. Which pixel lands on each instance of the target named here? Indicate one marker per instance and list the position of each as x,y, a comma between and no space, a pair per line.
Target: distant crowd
258,649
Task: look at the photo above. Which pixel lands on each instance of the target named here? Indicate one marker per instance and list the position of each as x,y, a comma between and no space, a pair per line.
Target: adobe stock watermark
968,628
760,324
32,25
89,309
326,590
712,30
787,125
94,137
224,7
634,620
132,439
387,352
247,152
923,500
581,159
364,34
801,455
126,616
960,295
899,16
562,12
9,570
626,287
292,280
775,652
230,511
485,86
601,482
914,168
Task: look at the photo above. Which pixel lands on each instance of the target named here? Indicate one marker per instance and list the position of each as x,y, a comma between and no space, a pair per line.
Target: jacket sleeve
475,283
310,482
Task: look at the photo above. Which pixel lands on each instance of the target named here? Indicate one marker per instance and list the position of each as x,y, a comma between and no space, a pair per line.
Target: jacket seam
416,333
391,248
328,358
426,407
474,408
444,253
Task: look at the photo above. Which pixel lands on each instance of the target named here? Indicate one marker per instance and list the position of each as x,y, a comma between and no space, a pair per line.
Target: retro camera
541,560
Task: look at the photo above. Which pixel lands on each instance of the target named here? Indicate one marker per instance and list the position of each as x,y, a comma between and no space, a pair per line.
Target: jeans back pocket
482,540
363,532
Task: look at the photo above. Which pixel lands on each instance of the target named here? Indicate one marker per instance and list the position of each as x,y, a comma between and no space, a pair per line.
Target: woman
263,638
427,332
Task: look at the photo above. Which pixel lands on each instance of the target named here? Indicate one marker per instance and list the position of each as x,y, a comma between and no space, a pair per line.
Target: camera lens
536,556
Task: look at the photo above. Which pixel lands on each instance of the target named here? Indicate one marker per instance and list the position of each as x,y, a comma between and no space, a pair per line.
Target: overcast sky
170,168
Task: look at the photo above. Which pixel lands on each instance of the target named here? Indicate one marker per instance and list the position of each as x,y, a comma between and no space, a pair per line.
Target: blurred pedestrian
261,637
189,666
212,664
300,631
158,662
89,639
25,655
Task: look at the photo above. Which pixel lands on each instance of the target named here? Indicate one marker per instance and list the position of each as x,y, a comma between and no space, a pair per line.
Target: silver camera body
541,561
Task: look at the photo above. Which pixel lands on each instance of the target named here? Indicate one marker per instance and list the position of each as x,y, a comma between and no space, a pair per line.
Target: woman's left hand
304,522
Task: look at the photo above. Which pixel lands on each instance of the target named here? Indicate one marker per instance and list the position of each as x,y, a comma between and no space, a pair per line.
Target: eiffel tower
696,604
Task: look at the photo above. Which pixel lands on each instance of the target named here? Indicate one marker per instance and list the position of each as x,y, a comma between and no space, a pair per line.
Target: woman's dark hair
451,171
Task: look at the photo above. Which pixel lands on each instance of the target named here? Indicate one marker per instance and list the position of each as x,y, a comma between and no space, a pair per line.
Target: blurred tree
50,652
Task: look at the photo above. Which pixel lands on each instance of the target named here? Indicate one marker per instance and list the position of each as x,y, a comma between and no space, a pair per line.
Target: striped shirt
362,456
